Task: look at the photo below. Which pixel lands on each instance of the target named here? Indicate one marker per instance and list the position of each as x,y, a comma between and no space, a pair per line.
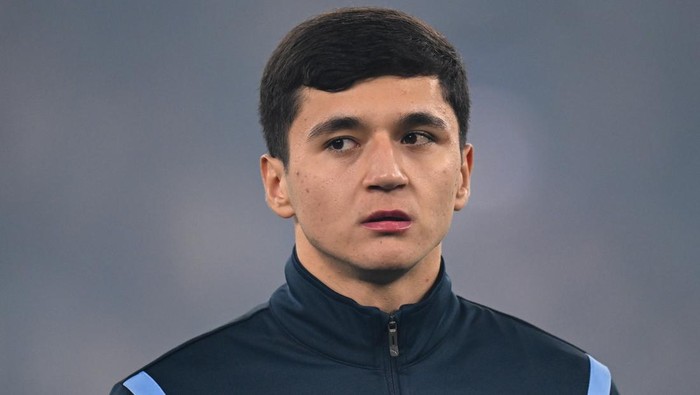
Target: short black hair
335,50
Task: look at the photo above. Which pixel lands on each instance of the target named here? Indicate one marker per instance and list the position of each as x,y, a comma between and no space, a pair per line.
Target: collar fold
341,329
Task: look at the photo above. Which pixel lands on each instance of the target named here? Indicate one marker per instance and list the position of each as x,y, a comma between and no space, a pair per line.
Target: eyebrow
416,119
408,121
333,125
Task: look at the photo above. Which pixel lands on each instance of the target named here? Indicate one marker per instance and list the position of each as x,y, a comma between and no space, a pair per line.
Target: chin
384,269
381,274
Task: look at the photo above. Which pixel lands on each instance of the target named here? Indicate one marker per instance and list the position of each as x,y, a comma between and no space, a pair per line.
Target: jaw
378,260
386,279
381,276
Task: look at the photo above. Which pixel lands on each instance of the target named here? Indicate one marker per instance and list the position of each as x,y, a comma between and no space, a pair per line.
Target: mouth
388,221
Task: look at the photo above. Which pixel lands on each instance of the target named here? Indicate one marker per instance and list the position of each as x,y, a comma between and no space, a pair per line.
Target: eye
417,138
341,144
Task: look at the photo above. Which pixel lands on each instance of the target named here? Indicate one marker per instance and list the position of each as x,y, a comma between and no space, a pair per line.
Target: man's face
374,174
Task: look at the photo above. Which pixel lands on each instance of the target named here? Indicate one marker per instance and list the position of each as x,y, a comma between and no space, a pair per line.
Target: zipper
393,338
393,330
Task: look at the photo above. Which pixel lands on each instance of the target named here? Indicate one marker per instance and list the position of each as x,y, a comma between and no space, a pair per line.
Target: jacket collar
341,329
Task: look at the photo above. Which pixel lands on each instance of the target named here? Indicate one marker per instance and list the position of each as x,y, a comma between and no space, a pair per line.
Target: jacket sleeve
599,379
613,389
140,383
119,389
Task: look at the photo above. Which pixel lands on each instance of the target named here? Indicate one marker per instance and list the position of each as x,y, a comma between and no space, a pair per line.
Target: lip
388,221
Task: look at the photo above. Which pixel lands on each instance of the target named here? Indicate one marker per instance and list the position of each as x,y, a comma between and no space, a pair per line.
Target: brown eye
341,144
416,138
410,139
337,144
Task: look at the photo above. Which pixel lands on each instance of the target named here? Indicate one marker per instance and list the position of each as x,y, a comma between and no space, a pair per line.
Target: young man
365,114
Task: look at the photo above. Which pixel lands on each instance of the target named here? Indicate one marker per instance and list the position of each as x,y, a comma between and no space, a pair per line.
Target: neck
385,289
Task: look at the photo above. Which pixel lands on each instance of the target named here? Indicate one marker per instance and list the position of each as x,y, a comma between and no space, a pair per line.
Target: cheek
301,188
303,184
445,183
312,196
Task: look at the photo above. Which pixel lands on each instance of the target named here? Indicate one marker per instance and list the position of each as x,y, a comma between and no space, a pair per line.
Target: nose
384,170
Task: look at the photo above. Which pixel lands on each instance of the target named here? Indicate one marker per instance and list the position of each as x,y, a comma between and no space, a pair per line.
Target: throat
385,289
381,277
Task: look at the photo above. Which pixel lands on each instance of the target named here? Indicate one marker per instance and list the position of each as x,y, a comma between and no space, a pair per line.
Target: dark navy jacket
310,340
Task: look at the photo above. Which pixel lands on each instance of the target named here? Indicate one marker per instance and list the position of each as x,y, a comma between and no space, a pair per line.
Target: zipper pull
393,338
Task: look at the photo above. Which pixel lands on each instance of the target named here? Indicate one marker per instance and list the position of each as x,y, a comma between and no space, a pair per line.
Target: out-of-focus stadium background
132,215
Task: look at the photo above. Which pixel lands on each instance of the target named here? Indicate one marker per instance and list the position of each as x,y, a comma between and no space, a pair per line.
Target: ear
274,180
462,195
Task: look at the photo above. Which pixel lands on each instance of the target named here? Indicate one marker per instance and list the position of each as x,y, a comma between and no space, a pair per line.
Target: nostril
387,186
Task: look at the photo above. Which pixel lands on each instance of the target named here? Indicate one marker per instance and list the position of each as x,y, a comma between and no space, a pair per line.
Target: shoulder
486,321
544,360
255,321
220,348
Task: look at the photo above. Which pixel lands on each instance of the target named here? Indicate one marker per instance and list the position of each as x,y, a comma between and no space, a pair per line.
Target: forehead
378,101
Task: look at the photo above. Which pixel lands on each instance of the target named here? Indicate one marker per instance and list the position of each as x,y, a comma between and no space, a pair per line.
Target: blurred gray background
132,215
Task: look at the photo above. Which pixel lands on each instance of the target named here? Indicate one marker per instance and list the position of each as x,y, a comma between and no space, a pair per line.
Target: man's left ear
466,171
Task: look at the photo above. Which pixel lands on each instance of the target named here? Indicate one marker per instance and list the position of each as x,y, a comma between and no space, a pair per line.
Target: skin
355,152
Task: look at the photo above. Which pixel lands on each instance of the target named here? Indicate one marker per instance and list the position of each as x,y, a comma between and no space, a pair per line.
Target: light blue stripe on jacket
143,384
599,379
